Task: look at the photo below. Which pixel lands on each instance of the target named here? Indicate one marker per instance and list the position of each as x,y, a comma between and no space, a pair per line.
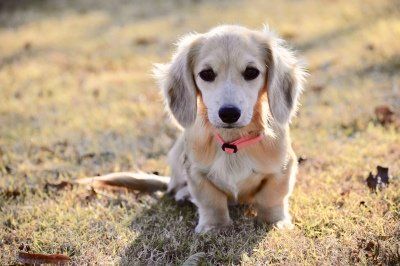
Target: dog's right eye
207,75
251,73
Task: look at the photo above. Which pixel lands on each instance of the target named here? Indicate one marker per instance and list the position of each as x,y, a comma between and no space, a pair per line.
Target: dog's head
228,68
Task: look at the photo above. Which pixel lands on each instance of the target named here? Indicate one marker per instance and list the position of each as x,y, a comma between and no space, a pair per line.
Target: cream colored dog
227,86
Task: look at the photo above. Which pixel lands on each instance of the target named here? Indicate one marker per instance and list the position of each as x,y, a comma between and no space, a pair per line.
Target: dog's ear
177,80
285,78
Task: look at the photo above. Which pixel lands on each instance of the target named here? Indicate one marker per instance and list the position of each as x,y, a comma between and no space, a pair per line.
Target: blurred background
77,99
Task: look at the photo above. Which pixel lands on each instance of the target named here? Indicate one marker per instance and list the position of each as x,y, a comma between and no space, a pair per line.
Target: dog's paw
283,225
204,228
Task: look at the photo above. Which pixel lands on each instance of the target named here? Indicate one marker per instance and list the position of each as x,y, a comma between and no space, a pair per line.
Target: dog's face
227,68
229,72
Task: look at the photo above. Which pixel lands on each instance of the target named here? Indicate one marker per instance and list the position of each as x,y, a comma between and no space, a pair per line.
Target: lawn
77,99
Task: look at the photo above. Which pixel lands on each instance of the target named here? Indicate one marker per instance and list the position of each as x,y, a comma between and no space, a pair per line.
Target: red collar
233,147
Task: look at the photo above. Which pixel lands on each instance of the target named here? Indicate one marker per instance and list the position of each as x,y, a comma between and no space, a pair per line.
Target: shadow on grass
325,38
121,11
166,236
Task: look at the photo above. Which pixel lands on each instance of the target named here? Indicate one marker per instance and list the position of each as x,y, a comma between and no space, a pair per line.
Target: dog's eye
207,75
251,73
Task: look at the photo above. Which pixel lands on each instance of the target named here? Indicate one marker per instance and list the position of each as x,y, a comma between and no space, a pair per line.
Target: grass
77,99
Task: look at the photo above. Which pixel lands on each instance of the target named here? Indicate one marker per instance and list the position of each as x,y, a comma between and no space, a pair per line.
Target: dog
233,92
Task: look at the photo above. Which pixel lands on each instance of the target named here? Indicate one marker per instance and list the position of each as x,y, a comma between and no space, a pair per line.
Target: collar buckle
229,148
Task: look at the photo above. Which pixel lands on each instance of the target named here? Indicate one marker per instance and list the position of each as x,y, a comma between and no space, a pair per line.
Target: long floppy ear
285,78
177,80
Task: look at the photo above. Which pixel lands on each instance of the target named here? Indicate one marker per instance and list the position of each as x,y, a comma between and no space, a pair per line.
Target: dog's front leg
211,202
272,200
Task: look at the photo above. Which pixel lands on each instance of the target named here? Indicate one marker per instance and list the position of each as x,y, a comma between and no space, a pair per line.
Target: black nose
229,114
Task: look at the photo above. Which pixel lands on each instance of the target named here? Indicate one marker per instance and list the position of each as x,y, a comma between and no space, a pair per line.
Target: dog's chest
233,173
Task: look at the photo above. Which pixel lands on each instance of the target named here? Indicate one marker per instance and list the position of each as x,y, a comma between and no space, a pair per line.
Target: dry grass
77,99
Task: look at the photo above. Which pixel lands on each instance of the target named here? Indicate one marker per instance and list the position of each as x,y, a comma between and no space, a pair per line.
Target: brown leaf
370,46
380,180
10,193
317,88
58,186
91,195
383,174
24,247
144,41
384,114
301,160
28,46
289,34
35,258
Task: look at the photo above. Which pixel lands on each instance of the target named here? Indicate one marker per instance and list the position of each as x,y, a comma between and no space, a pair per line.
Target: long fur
262,174
133,181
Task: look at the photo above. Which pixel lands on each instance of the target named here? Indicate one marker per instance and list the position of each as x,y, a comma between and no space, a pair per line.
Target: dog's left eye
207,75
251,73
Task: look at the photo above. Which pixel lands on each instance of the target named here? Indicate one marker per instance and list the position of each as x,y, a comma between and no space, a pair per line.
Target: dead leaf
24,247
289,34
317,88
345,192
58,186
8,169
36,258
144,41
301,160
28,46
10,193
88,196
383,174
380,180
384,114
370,46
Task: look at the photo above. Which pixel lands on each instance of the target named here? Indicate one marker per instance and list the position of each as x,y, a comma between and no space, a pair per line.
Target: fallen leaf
145,41
301,159
36,258
24,247
345,192
10,193
88,196
372,182
370,47
384,114
317,88
383,174
58,186
380,180
8,169
28,46
289,34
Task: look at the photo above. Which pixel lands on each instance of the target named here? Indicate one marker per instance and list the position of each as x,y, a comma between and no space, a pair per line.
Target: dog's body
233,83
262,173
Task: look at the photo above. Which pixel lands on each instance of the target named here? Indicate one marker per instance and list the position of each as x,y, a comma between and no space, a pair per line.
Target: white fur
268,172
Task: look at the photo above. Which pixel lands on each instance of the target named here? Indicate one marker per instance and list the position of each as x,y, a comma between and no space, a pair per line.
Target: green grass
77,99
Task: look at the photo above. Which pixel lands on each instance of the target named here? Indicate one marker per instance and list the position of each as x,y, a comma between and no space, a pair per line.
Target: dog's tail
133,181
